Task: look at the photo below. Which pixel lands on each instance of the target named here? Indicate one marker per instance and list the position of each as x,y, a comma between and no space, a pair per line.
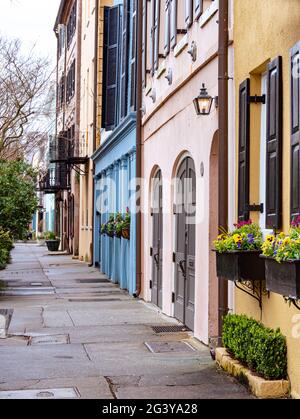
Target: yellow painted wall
86,182
264,30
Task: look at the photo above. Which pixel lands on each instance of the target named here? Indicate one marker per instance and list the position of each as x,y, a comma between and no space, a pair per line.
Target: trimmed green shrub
262,349
4,258
6,241
6,245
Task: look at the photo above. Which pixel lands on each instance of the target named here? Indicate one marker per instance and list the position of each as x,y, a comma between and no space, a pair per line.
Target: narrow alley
70,333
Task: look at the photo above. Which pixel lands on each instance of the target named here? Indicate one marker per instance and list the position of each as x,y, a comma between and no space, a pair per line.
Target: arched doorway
157,244
185,243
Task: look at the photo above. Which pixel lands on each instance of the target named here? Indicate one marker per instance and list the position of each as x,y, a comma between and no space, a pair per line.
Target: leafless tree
26,99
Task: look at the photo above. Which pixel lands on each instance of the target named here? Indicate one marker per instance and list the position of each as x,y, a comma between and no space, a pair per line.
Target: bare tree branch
26,95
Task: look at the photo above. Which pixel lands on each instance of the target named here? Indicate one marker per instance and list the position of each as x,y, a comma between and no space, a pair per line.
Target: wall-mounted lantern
204,101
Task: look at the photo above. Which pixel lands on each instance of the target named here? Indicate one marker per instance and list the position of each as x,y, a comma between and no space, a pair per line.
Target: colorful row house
115,159
181,160
175,100
267,58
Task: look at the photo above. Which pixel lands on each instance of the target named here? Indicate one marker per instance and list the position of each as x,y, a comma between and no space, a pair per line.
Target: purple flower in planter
250,238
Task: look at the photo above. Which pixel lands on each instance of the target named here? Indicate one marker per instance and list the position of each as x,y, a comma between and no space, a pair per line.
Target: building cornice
122,130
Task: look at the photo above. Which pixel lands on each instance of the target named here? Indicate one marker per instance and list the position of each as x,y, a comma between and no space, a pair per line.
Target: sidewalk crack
112,387
71,318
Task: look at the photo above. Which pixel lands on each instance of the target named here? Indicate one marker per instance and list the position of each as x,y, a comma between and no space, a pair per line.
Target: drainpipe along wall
139,144
223,142
95,120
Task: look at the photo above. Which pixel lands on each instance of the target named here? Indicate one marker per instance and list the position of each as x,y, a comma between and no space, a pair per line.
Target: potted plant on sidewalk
238,253
52,241
282,261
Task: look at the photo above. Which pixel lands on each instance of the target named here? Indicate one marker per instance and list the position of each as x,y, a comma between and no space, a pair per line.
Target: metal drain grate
169,347
92,281
93,300
49,340
169,329
56,393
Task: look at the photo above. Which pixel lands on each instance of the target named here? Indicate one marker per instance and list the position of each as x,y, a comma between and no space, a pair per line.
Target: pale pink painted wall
171,127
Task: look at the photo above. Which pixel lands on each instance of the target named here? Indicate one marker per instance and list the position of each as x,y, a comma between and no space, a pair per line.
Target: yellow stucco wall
86,182
264,30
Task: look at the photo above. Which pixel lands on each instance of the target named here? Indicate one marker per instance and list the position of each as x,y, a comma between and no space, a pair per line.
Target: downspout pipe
95,125
223,142
139,145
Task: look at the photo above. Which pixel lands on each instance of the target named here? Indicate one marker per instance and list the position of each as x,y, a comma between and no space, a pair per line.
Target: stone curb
261,388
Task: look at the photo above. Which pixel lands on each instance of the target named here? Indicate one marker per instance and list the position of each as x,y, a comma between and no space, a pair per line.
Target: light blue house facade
115,160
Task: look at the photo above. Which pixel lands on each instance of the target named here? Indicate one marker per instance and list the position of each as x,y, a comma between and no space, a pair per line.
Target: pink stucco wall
171,131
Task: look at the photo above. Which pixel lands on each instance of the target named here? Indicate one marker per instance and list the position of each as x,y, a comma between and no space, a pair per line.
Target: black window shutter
274,145
167,27
244,151
295,131
144,45
173,24
153,8
198,8
124,75
156,34
188,13
112,52
133,57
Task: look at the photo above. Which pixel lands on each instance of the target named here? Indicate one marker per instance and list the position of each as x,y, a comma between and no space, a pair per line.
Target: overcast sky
32,21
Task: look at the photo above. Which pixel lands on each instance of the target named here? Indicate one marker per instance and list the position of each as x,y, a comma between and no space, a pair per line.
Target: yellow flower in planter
237,238
286,241
270,238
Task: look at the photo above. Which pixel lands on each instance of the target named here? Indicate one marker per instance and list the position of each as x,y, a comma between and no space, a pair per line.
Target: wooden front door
184,256
157,247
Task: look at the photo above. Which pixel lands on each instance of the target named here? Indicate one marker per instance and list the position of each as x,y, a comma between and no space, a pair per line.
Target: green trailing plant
110,226
262,349
246,236
119,225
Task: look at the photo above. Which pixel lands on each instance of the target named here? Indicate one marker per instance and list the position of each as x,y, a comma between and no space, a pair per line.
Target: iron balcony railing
64,149
56,179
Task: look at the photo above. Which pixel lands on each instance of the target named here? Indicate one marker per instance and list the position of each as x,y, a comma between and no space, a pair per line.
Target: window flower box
283,278
238,253
241,266
281,254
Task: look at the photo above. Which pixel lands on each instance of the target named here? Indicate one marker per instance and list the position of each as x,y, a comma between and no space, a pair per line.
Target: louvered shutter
156,34
112,53
124,75
144,45
167,27
244,150
133,57
188,13
153,7
295,131
198,8
274,145
173,23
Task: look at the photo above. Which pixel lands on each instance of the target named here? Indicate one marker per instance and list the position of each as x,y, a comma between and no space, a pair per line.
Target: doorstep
261,388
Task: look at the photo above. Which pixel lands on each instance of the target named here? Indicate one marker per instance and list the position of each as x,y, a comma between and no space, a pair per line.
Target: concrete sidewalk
74,334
